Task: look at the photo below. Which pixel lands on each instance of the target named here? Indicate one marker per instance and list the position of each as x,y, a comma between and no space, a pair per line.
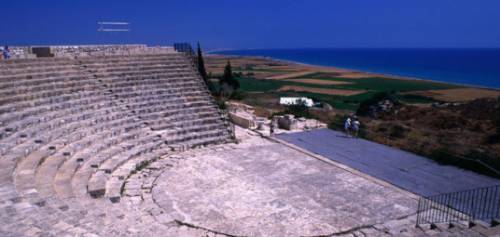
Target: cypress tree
203,72
227,82
228,73
201,65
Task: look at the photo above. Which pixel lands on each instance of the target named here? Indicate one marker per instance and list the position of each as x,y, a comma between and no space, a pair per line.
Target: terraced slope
73,130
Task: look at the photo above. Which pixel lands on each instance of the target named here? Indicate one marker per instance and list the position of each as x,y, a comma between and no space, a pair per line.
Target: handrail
468,205
186,49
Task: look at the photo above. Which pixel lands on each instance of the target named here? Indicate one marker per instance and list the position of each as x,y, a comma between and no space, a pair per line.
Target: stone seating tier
73,130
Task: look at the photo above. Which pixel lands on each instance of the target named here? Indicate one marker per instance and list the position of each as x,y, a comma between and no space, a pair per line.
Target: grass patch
414,99
382,84
263,70
256,85
371,85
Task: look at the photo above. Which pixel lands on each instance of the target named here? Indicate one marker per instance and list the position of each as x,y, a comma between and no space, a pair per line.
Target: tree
203,72
370,107
201,64
228,72
228,83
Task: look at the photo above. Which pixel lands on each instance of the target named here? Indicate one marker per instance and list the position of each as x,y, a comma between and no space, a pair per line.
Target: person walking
6,52
347,126
355,127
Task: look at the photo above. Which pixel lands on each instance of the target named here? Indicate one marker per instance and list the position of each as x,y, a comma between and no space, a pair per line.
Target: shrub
444,156
212,88
237,95
337,123
485,157
364,108
417,98
397,131
299,110
495,138
221,103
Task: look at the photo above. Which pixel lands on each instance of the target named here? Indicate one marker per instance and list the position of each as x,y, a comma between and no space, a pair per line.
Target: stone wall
75,51
241,119
20,52
97,50
241,114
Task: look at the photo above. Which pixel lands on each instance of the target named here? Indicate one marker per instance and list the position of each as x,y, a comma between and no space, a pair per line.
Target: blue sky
257,23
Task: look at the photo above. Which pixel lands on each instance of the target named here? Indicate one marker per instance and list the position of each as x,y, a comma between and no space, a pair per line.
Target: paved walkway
406,170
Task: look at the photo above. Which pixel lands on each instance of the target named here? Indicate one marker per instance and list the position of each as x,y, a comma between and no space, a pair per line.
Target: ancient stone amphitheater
127,141
73,129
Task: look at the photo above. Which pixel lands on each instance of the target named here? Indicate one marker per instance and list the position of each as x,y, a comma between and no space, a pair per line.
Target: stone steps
112,82
67,135
152,114
38,75
145,66
42,86
97,63
138,189
97,182
119,58
65,174
91,118
135,73
47,105
72,88
159,86
35,72
35,81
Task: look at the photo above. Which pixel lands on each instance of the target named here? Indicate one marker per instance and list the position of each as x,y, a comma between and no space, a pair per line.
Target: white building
296,100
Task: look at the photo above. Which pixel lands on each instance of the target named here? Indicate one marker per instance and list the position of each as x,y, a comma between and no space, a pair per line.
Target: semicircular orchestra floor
262,188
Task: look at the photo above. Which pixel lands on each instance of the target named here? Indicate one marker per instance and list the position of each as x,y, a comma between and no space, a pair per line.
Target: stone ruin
244,116
76,51
73,130
99,141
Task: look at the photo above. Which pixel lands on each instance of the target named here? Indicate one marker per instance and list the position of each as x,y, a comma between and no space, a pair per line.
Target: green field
371,86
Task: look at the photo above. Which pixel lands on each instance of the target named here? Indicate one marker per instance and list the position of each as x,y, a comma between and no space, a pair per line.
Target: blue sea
478,67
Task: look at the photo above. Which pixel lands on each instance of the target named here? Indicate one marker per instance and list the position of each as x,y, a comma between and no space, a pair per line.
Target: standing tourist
6,52
355,126
347,126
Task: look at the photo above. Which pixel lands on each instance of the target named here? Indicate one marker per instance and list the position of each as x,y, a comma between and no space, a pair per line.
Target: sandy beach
266,68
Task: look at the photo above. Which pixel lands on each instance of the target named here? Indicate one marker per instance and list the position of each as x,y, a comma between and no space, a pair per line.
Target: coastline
351,70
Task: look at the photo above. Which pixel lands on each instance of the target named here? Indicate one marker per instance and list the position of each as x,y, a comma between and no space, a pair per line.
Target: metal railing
187,50
469,205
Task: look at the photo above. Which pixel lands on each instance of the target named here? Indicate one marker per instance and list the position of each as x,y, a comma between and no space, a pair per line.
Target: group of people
5,52
351,126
